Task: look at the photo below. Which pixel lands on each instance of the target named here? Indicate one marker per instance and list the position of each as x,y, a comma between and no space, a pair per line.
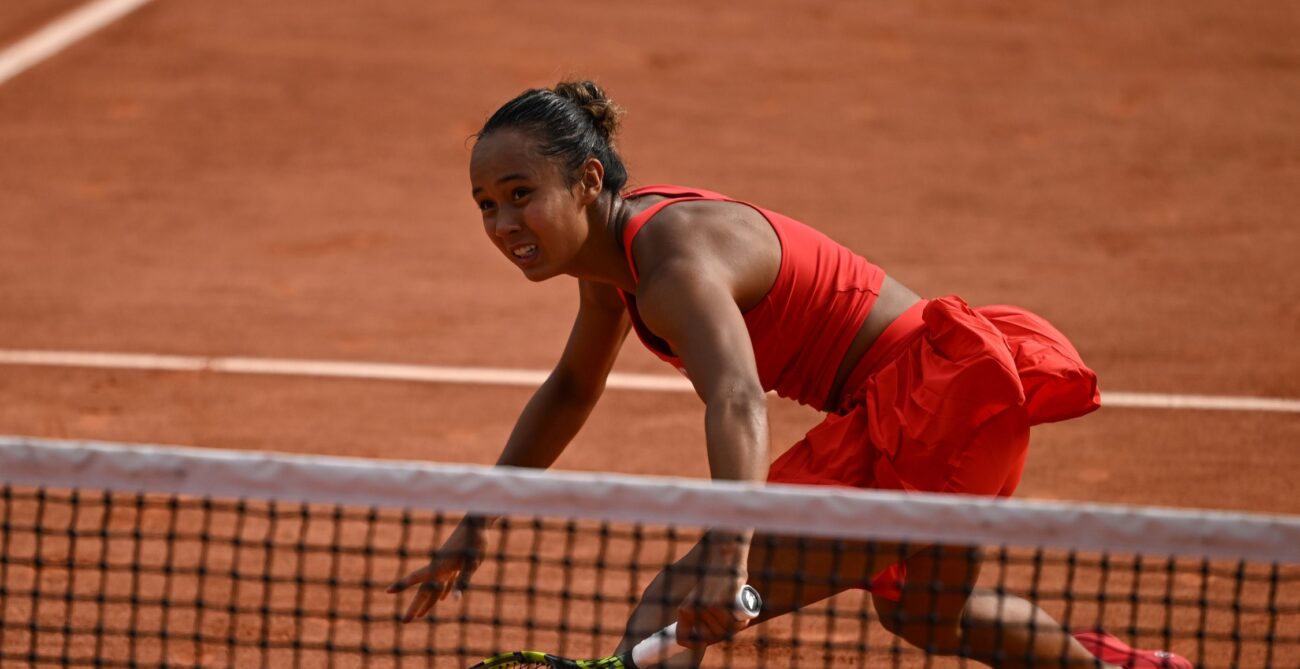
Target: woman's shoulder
692,223
672,191
645,202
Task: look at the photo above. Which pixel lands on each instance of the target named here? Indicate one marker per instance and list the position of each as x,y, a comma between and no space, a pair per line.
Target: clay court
288,180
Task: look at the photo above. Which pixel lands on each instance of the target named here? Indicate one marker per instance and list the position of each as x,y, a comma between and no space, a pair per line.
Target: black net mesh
110,579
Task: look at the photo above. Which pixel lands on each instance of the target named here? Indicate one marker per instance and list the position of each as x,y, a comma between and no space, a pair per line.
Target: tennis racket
657,647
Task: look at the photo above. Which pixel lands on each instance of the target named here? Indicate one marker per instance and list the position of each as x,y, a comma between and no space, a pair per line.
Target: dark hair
572,122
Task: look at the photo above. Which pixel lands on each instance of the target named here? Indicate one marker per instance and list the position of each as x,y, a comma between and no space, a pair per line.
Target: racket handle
663,644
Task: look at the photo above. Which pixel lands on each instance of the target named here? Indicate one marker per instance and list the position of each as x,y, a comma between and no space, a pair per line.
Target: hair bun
591,98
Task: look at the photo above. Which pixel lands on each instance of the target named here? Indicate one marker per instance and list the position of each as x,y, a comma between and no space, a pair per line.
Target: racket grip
663,644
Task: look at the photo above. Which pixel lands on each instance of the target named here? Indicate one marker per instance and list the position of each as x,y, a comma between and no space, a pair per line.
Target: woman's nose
505,224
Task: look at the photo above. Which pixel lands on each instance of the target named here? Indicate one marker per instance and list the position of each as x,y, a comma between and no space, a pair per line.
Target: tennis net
144,556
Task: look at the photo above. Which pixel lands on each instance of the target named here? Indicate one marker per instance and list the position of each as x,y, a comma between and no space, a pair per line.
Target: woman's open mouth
525,253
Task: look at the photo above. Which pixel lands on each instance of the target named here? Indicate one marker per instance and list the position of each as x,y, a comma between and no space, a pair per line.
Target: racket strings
535,660
549,663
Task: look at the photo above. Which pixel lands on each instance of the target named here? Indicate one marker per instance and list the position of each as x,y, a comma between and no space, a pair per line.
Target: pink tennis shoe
1110,649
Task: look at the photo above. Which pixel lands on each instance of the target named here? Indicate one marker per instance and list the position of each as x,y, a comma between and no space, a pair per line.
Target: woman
920,394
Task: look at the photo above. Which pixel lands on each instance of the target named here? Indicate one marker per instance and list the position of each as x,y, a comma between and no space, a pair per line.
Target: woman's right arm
548,423
561,405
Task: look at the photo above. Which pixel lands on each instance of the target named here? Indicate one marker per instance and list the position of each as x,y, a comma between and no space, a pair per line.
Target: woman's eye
484,205
519,193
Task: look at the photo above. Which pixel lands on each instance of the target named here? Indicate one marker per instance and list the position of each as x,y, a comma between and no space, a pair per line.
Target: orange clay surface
289,179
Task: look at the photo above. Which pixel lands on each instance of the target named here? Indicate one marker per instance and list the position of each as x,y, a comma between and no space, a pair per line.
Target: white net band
781,509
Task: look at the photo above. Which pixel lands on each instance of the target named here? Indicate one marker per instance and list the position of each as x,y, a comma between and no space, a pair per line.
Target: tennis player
919,394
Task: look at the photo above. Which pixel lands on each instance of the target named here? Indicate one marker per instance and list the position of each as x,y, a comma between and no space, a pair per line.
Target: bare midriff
894,299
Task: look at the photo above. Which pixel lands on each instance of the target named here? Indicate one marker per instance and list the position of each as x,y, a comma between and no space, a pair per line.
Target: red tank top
804,325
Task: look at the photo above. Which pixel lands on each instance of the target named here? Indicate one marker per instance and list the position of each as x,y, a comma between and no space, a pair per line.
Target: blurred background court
288,180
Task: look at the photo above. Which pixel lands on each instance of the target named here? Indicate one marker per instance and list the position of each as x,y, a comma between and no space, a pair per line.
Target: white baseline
60,33
516,377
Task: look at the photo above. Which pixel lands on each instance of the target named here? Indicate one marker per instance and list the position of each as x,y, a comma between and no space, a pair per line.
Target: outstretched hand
449,571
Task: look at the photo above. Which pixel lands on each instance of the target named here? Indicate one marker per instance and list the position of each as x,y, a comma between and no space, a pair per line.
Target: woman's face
530,212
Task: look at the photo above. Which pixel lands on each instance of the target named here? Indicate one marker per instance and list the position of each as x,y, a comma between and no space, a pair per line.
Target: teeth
524,251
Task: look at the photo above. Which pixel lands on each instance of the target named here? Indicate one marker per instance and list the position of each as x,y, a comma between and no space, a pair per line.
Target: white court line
518,377
60,33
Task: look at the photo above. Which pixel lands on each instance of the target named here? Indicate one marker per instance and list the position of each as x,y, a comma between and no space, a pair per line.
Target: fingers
698,627
421,603
447,573
429,594
462,578
402,584
433,581
686,634
418,576
436,581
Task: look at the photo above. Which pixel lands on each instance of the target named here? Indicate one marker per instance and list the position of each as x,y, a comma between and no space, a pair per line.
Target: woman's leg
959,619
956,618
939,609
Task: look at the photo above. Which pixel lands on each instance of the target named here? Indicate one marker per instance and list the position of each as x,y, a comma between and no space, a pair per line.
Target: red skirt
943,402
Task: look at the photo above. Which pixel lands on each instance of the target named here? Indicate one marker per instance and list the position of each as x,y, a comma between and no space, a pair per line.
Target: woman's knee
938,633
932,597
